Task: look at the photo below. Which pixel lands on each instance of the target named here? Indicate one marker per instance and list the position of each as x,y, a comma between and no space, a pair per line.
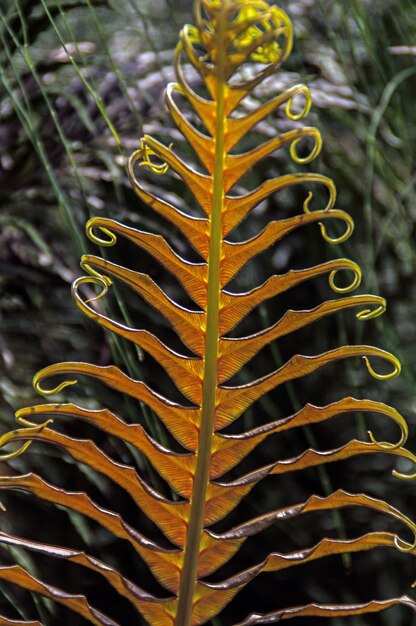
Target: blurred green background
81,81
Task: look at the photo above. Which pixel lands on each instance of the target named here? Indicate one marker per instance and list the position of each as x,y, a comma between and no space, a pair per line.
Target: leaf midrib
209,387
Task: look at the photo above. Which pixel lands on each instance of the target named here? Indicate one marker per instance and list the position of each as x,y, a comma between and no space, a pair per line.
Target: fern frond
228,34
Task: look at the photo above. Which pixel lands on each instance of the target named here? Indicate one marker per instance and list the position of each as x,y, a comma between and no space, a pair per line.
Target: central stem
208,406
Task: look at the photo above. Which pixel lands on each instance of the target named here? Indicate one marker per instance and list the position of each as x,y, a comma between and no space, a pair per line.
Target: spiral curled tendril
12,455
40,376
353,267
404,433
313,153
331,201
386,445
342,238
145,153
94,274
93,278
398,474
370,314
27,423
305,92
89,228
347,219
191,34
391,359
29,429
100,281
404,546
330,204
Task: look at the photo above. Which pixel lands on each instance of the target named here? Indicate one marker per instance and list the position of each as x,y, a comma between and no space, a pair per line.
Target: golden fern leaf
228,34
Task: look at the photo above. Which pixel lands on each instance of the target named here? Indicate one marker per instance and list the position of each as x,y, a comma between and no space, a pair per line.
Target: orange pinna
229,34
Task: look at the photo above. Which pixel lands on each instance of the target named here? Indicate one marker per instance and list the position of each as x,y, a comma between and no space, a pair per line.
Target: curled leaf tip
147,152
304,90
313,153
32,425
307,202
353,285
85,265
393,360
12,455
94,278
19,414
397,474
345,235
404,546
20,417
50,392
370,314
385,445
30,429
191,34
329,205
91,224
102,281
